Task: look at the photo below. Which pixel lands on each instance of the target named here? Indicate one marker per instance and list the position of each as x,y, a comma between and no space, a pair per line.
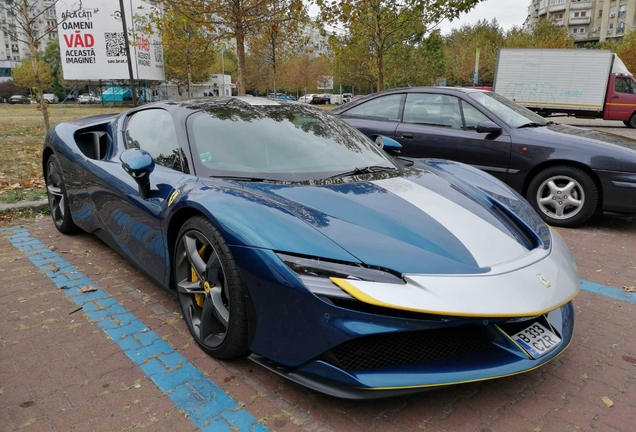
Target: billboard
325,82
92,41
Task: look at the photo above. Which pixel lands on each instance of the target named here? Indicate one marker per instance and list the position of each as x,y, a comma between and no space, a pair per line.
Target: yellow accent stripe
467,381
620,104
365,298
514,341
559,104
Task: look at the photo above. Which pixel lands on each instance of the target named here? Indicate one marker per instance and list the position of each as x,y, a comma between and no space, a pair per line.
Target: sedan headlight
315,274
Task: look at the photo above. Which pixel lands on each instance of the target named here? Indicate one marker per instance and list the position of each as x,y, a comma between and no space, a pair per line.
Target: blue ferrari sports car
291,237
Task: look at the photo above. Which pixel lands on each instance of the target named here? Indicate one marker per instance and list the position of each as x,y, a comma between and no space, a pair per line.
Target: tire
569,201
58,200
210,290
631,123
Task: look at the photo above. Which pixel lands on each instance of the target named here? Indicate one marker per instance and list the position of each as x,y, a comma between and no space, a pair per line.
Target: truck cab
620,101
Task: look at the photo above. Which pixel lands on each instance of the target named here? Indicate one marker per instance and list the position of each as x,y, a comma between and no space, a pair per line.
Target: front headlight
315,274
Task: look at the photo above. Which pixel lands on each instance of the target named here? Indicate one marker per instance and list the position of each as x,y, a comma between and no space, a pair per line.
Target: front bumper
501,357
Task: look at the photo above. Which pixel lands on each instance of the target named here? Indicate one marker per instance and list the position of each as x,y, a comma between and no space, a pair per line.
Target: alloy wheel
55,193
202,288
560,197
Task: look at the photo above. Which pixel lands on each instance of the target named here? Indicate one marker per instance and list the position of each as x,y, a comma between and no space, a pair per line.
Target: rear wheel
210,290
631,123
56,193
563,195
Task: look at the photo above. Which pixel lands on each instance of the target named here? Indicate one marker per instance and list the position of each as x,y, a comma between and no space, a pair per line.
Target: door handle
614,97
406,135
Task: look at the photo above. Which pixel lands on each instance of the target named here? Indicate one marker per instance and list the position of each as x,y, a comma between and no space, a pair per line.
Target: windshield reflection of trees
307,118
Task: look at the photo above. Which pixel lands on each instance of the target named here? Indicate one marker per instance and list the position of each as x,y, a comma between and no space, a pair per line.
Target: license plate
537,340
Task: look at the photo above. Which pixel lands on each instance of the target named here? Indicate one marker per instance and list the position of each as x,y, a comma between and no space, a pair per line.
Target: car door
134,223
622,103
436,125
378,116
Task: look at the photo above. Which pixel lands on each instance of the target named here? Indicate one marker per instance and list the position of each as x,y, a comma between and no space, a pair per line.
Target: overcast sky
509,13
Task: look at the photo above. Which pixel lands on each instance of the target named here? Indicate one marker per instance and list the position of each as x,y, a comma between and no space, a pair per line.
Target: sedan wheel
56,193
210,290
563,196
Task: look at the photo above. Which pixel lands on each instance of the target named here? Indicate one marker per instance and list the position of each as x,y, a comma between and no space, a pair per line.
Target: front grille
395,349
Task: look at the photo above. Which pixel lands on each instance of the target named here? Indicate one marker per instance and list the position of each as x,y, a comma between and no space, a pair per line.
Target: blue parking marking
609,291
208,407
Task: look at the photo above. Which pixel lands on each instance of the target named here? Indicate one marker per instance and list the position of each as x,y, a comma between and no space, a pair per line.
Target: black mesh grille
394,349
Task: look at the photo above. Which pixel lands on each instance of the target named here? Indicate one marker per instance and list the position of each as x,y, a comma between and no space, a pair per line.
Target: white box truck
582,82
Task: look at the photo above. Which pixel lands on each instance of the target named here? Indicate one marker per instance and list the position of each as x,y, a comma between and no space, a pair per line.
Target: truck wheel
631,123
563,195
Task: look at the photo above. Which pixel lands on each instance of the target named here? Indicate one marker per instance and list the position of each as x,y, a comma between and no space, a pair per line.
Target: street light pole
130,70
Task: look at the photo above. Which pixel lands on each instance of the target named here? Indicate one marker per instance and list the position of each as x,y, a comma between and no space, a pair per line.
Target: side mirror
387,144
139,164
488,127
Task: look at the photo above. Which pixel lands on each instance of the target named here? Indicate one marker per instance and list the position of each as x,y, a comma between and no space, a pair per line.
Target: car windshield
284,142
513,114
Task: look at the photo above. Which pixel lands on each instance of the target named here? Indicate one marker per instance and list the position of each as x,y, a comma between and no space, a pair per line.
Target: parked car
309,246
307,98
321,99
19,99
541,80
566,173
51,98
346,97
87,98
280,96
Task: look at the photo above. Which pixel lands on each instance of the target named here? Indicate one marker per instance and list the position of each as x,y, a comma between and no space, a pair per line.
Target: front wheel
210,290
563,195
58,200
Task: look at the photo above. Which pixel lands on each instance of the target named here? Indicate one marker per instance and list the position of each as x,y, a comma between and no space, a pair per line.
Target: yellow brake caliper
199,298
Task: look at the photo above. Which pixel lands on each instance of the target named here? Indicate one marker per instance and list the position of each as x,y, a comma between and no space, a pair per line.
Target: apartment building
586,20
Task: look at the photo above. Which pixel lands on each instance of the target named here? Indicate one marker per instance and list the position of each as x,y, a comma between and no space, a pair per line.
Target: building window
600,13
556,2
612,11
620,28
580,14
622,11
558,16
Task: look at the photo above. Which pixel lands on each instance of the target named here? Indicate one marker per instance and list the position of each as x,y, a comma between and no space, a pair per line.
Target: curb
25,205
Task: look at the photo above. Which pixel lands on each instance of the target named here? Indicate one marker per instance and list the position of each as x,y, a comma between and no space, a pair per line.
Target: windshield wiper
364,170
531,124
239,178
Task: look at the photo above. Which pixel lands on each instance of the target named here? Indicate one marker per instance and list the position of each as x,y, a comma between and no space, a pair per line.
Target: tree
24,76
229,19
8,89
274,43
35,19
461,45
387,24
545,34
187,47
626,50
51,57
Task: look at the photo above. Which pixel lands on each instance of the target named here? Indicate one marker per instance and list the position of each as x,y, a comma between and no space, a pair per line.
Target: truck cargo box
554,79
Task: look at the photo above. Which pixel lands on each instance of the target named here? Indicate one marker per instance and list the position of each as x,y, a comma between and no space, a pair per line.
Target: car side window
625,85
153,130
472,116
385,107
433,109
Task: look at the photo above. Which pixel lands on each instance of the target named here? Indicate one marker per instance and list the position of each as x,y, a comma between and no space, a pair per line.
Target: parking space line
609,291
208,407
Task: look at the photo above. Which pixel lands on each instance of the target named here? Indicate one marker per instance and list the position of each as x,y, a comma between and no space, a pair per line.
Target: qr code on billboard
158,54
115,44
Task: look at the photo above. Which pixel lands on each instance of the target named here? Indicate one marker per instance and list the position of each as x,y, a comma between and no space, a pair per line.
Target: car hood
416,221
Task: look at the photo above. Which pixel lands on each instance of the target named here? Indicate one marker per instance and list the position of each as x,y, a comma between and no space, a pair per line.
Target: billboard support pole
130,70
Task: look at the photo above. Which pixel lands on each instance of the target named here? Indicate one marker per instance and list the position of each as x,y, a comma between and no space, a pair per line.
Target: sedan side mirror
488,127
139,164
387,144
